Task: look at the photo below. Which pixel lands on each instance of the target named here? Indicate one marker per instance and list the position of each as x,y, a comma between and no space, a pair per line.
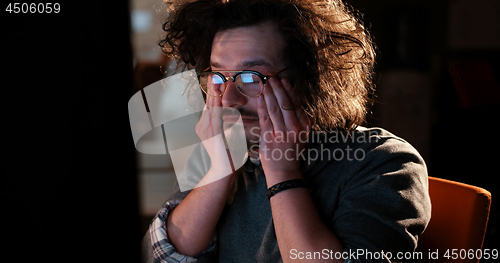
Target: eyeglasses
248,82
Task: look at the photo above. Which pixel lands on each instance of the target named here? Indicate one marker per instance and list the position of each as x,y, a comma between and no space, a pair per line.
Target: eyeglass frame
262,77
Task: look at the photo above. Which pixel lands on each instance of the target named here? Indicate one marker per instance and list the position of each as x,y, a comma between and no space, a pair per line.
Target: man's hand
284,132
191,225
284,129
209,129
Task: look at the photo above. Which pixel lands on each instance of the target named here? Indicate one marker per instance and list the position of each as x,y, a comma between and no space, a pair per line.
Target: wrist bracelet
284,186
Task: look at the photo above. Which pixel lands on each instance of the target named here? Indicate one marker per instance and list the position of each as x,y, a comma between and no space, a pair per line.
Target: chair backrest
458,221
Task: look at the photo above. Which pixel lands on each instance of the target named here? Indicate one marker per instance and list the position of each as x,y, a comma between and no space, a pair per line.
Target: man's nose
232,97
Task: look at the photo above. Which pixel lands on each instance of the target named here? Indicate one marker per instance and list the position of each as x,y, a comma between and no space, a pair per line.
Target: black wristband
284,186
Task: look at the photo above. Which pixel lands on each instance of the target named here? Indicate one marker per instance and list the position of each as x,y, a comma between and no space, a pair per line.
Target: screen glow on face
248,83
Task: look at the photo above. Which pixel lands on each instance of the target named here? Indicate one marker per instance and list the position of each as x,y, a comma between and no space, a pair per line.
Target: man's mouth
246,116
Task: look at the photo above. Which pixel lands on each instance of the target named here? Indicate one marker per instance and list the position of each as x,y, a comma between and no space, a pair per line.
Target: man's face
256,48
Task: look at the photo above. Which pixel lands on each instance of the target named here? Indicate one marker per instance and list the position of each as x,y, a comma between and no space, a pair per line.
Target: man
317,185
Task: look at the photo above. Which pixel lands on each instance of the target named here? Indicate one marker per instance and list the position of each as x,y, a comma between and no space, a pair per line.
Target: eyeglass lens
247,83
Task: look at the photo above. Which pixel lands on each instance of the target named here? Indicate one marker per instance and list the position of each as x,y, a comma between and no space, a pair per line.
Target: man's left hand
284,129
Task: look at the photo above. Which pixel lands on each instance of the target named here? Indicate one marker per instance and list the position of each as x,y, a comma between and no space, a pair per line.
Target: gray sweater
369,187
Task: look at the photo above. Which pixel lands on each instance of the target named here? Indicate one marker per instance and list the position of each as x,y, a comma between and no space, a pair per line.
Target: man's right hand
211,132
191,225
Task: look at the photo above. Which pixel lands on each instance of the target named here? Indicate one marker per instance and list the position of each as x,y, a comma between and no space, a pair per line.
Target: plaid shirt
162,249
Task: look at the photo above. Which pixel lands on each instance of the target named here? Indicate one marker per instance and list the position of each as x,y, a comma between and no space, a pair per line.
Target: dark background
69,183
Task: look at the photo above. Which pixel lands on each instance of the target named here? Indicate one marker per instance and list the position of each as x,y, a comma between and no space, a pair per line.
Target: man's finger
273,107
264,118
288,101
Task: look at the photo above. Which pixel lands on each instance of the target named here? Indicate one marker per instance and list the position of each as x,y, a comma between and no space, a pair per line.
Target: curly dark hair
329,53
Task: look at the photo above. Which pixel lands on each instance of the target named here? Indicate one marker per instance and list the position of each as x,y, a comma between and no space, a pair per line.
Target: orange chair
458,221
